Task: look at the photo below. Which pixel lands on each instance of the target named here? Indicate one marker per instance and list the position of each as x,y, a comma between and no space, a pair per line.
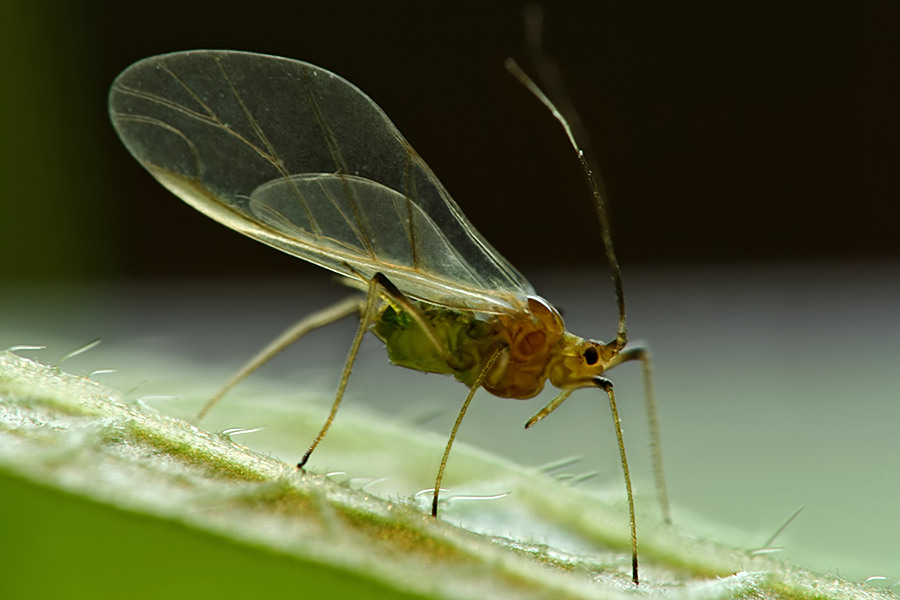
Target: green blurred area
56,545
54,220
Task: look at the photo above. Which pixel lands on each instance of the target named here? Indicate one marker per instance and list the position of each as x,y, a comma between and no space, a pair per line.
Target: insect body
536,348
300,159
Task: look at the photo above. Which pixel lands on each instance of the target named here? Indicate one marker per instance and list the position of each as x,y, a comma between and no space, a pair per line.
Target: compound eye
591,356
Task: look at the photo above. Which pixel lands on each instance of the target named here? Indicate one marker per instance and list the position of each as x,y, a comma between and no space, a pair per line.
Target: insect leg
367,314
551,406
462,412
318,319
397,296
642,354
379,286
607,387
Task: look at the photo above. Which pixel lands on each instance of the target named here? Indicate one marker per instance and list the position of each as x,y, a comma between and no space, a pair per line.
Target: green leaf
112,499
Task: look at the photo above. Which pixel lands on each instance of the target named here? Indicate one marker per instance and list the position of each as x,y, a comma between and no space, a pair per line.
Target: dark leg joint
303,460
603,383
388,286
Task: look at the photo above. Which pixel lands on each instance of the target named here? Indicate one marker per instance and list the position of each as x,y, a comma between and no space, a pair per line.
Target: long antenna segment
600,206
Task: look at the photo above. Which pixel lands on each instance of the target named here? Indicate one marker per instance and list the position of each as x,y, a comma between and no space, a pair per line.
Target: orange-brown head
577,362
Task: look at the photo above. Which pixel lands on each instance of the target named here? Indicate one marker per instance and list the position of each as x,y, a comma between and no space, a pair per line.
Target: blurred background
748,131
750,151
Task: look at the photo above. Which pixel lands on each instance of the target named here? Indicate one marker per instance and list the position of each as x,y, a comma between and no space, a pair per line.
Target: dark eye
590,355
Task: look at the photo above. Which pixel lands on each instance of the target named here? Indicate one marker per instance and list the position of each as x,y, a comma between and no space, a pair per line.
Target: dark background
727,131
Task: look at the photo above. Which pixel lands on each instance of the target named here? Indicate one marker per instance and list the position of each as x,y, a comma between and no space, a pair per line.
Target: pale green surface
753,372
71,433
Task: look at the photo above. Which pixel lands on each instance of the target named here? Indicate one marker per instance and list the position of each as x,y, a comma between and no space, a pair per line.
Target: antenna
599,204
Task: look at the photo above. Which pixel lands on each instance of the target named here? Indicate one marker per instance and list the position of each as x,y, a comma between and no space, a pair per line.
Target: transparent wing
300,159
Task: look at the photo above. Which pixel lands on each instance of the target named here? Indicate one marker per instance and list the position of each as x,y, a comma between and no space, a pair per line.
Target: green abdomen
465,335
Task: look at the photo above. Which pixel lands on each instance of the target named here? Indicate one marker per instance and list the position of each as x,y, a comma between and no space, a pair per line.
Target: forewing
302,160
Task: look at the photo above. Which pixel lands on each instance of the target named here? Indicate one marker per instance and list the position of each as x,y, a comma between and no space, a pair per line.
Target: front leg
642,353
